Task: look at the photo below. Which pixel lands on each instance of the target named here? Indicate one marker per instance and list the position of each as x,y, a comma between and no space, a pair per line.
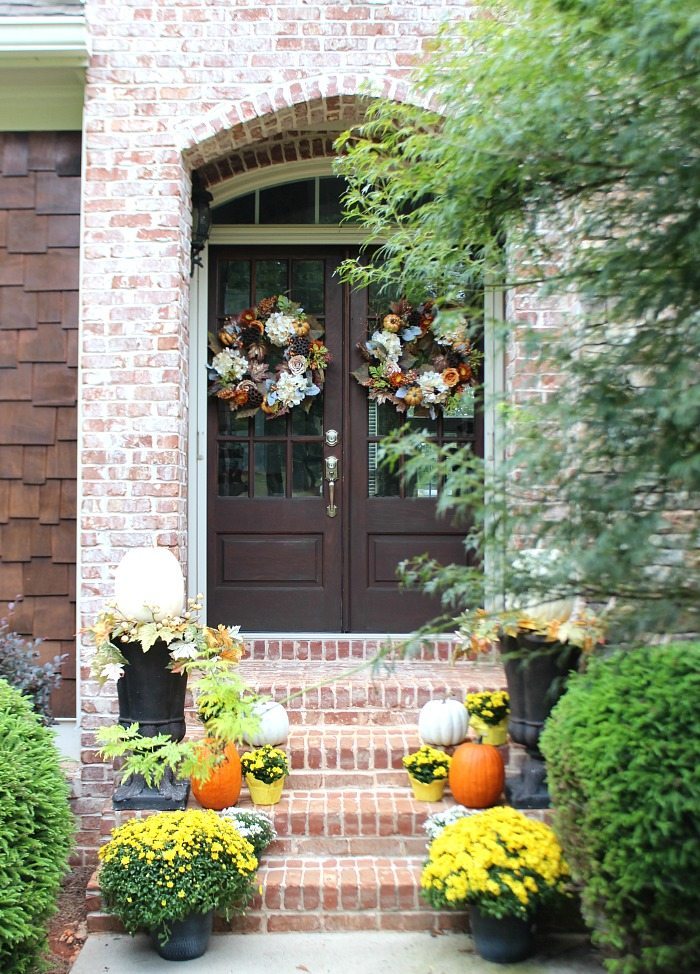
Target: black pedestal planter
154,697
536,680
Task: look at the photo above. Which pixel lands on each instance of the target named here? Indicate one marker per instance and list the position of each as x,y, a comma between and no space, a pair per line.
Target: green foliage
565,158
20,666
623,750
36,829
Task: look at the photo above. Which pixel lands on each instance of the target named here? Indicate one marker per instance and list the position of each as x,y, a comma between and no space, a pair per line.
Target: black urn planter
154,697
536,679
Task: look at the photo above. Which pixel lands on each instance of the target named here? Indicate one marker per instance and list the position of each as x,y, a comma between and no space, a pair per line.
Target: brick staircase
350,834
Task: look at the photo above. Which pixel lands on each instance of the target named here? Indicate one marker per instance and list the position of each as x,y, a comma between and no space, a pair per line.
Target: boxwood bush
36,829
623,758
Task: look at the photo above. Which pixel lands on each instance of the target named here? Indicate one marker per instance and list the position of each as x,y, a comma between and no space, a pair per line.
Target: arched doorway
276,559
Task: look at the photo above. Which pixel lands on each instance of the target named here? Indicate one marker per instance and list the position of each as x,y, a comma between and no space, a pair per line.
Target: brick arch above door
305,105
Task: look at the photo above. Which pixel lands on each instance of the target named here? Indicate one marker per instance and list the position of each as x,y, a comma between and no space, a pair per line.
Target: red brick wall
39,248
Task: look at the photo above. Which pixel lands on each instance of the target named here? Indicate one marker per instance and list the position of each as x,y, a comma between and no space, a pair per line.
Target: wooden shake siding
39,247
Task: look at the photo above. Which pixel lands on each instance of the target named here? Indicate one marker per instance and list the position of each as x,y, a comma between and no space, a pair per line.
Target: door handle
331,468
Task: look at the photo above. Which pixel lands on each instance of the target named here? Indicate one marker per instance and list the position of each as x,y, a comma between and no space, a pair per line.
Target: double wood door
277,560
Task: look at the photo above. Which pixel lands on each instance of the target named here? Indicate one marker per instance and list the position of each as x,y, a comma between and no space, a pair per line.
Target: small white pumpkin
149,577
274,724
443,722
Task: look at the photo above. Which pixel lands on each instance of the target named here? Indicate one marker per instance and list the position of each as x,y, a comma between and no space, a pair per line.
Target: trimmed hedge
623,763
36,829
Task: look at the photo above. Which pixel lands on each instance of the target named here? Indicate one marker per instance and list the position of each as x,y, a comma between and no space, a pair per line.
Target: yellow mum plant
491,707
427,764
159,869
498,860
265,763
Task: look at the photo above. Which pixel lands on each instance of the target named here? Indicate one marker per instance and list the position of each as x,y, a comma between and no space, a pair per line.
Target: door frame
494,357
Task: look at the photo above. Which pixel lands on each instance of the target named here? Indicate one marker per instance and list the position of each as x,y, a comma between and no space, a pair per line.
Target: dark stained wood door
276,561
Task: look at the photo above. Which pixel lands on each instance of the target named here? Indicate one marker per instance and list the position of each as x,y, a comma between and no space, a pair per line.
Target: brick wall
39,259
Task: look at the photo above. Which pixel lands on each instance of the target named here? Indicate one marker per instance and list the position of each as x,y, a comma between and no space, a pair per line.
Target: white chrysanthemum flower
386,345
280,328
290,389
230,364
433,387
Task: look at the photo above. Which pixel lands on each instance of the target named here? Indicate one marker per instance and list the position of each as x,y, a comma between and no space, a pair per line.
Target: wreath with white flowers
270,357
419,367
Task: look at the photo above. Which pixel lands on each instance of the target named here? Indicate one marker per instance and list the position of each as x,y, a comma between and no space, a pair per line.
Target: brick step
341,648
313,893
363,697
350,748
350,821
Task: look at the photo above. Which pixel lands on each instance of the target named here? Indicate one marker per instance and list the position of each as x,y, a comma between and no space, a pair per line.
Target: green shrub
36,828
623,752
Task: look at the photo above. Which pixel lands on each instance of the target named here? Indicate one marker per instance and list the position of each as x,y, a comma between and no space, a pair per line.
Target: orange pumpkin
223,787
477,775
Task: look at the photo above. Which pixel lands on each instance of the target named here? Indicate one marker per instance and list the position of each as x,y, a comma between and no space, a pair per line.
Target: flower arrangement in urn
488,715
159,872
503,866
265,769
427,769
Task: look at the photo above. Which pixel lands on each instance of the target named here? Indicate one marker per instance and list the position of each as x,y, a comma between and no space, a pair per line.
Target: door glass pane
460,423
236,284
307,470
241,210
270,469
230,423
311,423
424,483
307,285
270,278
381,481
273,427
233,469
383,418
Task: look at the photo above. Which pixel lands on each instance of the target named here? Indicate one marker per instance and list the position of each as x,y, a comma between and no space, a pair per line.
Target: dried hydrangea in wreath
411,363
270,357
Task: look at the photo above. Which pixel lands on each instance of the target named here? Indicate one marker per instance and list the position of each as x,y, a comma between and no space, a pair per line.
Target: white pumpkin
443,722
148,584
274,724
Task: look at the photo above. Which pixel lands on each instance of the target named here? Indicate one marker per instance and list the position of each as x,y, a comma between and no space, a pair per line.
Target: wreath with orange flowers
415,367
270,357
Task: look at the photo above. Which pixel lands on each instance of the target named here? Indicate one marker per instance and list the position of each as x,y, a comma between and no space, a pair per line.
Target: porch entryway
305,527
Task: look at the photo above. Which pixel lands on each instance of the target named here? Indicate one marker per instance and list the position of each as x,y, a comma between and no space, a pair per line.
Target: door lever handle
331,468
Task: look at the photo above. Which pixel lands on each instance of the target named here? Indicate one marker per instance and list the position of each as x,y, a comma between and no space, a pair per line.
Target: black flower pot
187,938
536,673
503,940
154,697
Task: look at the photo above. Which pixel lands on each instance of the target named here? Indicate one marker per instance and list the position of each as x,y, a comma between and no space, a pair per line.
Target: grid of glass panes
280,456
383,419
306,201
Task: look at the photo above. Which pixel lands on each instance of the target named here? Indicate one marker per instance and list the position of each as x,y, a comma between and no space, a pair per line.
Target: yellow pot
428,792
263,794
496,734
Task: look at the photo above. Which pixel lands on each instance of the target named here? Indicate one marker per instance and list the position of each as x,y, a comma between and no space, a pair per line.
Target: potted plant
169,872
254,826
540,645
226,707
501,865
428,769
265,769
488,715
